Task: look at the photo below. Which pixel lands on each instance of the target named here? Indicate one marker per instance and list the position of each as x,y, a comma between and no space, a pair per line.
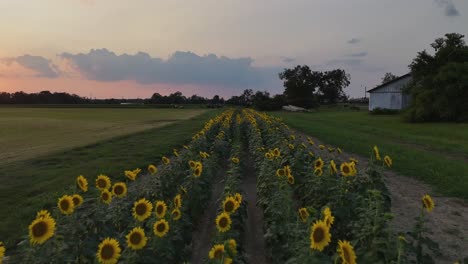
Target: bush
384,111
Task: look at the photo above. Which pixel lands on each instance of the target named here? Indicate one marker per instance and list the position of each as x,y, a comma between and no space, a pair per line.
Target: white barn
390,95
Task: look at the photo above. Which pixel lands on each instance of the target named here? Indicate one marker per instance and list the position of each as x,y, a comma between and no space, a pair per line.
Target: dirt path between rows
254,241
448,222
201,238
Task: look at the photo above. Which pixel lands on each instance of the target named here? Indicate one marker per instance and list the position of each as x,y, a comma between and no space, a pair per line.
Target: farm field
97,141
244,189
436,153
30,132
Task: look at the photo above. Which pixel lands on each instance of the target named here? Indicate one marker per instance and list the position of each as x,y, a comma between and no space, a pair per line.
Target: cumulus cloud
179,68
354,41
42,66
449,7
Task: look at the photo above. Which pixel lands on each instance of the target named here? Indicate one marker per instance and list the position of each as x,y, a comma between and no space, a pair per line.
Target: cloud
344,62
354,41
180,68
449,7
288,60
42,66
359,54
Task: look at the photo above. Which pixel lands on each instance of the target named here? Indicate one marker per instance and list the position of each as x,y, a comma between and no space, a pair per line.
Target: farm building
390,95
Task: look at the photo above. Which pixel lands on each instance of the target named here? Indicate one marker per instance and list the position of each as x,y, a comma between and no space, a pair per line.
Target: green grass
30,132
436,153
29,185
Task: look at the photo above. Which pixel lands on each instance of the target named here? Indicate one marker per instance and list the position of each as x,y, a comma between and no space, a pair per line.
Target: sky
132,49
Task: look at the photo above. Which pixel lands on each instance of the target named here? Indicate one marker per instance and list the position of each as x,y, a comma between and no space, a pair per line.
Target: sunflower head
339,150
346,169
175,153
119,189
108,251
152,169
216,252
320,236
291,146
82,183
303,214
230,205
66,205
161,227
223,222
276,152
318,171
318,163
268,155
238,198
77,200
311,154
197,172
160,209
103,182
142,209
280,172
2,251
178,201
322,147
43,213
235,160
291,179
136,239
192,164
41,229
346,252
130,175
106,197
388,161
232,246
333,168
353,160
428,203
176,214
376,153
165,160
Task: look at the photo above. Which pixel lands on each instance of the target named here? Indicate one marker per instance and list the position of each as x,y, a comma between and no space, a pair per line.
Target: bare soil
448,222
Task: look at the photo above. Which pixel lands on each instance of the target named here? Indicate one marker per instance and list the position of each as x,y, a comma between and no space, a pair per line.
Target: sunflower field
318,207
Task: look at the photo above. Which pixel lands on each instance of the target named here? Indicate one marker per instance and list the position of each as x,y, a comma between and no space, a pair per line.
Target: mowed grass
436,153
30,132
36,183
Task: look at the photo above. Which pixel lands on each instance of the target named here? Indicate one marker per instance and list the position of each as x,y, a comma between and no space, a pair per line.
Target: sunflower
232,245
160,209
318,163
2,251
77,200
175,152
103,182
223,222
318,172
330,149
238,197
185,147
276,152
303,146
142,209
235,160
291,146
333,169
66,205
311,142
322,147
346,169
152,169
428,203
291,179
328,218
161,227
376,153
388,161
106,197
354,160
311,154
287,170
230,204
108,251
346,252
165,160
280,172
192,164
119,189
197,172
41,229
320,236
339,150
42,214
216,252
136,239
292,137
304,214
130,175
353,168
176,214
178,201
82,183
268,155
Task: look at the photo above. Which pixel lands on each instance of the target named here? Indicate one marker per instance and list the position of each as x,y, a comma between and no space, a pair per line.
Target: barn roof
389,82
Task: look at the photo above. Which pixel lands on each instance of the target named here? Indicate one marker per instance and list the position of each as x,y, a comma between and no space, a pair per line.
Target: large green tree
331,86
439,89
388,77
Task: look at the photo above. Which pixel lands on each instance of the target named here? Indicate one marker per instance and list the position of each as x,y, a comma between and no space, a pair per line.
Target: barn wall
390,96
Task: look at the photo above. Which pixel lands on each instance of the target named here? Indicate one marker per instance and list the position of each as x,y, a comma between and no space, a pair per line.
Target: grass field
63,143
436,153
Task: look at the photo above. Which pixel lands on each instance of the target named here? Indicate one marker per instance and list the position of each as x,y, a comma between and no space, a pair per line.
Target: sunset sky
134,48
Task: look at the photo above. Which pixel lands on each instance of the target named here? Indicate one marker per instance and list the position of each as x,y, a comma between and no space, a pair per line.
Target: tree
388,77
246,97
439,88
332,84
300,84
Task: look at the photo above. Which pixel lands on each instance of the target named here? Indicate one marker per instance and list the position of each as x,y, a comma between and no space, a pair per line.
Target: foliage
263,102
331,86
384,111
388,77
439,88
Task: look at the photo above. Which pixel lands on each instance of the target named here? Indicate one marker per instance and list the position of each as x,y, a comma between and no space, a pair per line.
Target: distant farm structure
390,95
